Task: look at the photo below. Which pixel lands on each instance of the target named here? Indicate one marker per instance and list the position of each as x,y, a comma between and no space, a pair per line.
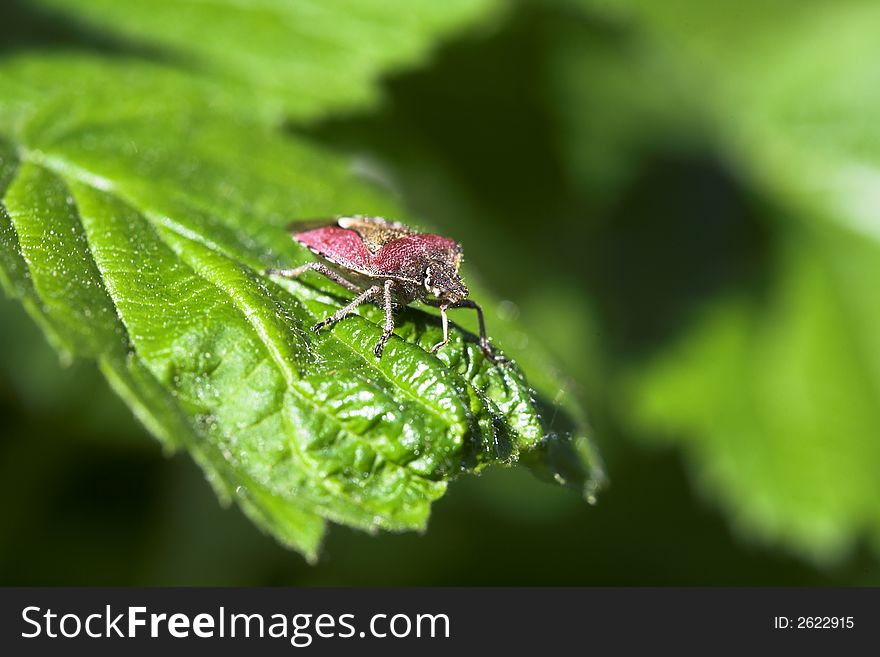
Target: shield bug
390,264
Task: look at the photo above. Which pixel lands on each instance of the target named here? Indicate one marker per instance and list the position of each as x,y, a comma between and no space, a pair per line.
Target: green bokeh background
589,193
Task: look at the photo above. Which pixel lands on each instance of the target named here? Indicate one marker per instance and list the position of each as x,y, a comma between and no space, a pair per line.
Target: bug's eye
428,281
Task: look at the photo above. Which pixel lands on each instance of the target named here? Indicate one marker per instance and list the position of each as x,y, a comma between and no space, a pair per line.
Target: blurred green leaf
277,58
602,85
136,218
774,395
776,399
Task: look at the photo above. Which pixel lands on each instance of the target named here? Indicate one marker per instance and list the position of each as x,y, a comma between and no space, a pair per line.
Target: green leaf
135,222
776,400
279,58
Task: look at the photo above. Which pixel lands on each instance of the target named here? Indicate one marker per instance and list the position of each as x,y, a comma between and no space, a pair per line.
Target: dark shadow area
683,233
74,513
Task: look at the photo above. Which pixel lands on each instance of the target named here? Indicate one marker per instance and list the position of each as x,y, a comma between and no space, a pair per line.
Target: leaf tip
571,461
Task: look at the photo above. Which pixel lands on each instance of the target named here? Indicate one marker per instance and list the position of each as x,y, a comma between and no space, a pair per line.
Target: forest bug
390,264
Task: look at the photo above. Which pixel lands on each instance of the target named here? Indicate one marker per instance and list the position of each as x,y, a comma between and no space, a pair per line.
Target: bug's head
443,282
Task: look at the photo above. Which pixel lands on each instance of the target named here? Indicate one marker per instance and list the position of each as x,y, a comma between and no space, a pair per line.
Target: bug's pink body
347,248
387,262
343,245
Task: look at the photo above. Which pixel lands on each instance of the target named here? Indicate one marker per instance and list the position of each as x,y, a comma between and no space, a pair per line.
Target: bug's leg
445,321
318,267
363,297
389,320
485,347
